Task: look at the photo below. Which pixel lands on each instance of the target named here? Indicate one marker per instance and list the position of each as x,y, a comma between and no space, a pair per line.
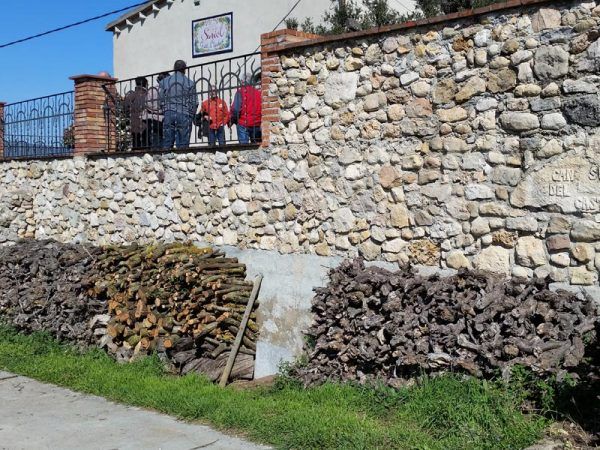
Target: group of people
163,116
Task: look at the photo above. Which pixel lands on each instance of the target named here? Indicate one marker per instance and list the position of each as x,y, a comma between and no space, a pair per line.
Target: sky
43,66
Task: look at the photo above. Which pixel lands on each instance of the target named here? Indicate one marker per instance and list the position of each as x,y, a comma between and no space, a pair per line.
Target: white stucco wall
153,45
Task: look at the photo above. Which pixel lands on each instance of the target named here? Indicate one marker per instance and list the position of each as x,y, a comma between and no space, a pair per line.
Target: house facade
150,38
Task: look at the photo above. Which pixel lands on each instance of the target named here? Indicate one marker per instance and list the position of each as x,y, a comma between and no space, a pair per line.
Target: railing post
271,43
2,105
91,125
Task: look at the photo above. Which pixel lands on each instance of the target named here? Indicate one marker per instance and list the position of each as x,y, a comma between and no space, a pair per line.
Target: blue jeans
249,134
216,135
177,129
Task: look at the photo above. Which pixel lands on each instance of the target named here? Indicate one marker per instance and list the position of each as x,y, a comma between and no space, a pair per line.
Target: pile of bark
374,324
43,290
182,301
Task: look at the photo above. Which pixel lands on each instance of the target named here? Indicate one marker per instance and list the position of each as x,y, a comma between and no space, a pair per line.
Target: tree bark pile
374,324
42,290
179,300
183,302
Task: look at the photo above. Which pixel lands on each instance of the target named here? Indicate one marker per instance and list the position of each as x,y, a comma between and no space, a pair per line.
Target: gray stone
586,231
478,192
390,45
480,226
545,104
343,220
519,121
583,110
579,87
551,62
526,223
554,121
509,176
408,78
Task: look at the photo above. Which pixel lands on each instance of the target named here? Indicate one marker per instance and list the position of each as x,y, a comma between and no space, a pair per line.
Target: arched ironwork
40,127
135,108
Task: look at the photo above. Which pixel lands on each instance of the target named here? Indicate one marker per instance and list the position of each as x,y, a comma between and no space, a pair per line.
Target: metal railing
40,127
205,105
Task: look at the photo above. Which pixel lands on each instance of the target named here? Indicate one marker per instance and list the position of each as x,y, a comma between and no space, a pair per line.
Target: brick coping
467,13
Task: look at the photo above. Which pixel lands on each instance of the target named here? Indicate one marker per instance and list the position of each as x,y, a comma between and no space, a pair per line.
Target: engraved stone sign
569,184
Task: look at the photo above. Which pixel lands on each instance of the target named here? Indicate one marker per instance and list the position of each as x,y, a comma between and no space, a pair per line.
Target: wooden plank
240,334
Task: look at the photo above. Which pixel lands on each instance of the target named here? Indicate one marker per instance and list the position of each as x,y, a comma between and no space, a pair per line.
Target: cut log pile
374,324
179,300
183,302
42,290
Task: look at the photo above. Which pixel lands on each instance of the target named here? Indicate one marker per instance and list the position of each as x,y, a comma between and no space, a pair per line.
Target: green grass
439,413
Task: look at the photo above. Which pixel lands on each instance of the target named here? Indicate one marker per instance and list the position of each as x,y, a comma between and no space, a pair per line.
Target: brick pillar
271,44
91,127
2,105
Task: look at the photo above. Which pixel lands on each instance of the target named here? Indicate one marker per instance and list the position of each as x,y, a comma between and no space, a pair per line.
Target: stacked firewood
183,302
179,300
374,324
42,290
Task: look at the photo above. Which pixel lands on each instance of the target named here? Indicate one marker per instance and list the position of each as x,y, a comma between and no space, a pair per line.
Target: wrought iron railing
40,127
204,105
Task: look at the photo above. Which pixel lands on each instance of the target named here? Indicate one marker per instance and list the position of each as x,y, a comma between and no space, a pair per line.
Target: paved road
36,416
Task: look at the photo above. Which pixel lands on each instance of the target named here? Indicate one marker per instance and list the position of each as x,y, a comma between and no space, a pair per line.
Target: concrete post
271,43
92,129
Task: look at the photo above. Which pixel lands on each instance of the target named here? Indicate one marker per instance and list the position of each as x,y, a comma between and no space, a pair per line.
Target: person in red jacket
218,116
246,112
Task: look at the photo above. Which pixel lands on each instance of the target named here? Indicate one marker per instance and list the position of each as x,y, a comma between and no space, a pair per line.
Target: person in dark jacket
134,106
246,112
179,101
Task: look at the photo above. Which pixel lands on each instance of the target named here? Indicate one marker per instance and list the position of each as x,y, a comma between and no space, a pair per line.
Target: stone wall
471,143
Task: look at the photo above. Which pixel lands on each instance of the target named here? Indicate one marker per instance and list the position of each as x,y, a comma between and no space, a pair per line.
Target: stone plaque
569,184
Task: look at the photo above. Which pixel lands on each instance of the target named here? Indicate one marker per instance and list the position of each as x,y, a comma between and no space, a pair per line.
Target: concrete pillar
93,131
271,44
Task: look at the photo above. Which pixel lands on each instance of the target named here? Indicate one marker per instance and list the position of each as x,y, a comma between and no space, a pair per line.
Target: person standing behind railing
134,106
154,115
246,112
218,115
179,101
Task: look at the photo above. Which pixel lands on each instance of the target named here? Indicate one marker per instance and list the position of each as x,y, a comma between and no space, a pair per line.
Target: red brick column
92,133
271,44
2,105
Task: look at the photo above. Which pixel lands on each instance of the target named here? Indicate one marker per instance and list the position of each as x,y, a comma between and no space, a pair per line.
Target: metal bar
189,109
39,127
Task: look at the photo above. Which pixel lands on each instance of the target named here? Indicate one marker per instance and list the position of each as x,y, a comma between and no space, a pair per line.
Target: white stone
493,259
340,88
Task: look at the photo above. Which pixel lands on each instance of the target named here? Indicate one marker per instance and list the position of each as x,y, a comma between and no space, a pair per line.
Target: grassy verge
441,413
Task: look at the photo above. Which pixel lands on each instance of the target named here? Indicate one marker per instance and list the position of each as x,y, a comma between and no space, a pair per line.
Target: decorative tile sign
212,35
